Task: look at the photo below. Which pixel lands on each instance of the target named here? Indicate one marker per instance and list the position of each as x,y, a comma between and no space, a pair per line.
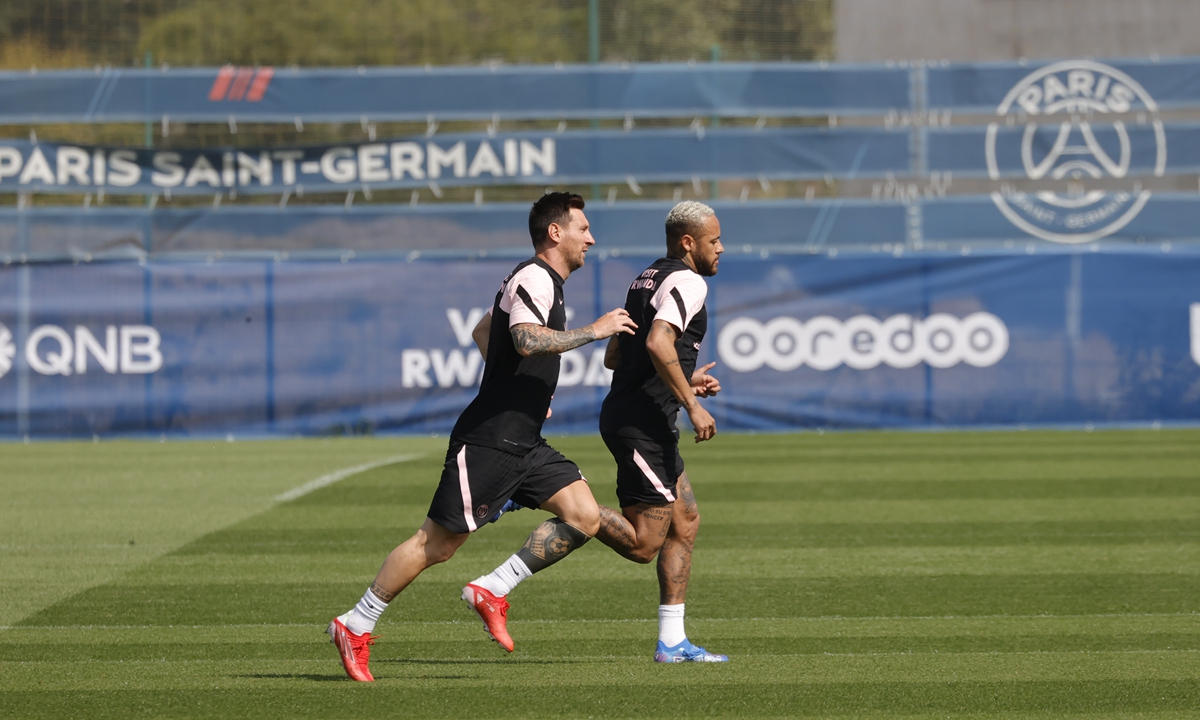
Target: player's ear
687,243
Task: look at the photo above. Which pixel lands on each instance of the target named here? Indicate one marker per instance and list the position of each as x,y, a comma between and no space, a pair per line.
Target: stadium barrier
1157,223
504,92
383,345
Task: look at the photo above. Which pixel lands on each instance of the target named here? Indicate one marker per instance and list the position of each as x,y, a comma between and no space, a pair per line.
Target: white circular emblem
1063,102
7,350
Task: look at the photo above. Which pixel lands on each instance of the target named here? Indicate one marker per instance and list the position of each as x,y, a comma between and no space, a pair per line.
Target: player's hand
704,424
703,384
614,323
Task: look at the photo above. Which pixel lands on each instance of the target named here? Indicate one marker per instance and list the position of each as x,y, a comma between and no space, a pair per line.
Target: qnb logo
1066,139
7,350
51,350
463,366
241,83
863,342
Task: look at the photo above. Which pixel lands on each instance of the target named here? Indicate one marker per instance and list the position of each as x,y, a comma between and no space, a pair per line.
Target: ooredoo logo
1066,139
7,350
863,342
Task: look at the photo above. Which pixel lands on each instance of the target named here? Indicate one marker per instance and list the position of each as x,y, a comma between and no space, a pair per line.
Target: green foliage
361,32
63,33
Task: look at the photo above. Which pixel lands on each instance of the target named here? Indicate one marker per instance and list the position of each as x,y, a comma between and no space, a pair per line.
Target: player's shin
550,542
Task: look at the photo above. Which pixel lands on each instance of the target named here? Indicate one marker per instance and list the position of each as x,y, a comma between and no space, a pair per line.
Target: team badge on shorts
1068,137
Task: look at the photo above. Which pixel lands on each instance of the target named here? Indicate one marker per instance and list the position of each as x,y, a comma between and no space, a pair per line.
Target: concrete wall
875,30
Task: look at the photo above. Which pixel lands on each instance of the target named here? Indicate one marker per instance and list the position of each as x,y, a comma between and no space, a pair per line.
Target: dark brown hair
551,209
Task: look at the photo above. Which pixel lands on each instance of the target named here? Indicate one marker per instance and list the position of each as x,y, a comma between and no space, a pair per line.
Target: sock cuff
519,567
670,610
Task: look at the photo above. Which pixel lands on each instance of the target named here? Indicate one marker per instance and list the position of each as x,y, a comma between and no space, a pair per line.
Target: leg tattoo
550,542
675,559
638,534
382,594
615,531
674,571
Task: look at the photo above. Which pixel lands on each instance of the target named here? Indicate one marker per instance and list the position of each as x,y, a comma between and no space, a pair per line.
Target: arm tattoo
538,340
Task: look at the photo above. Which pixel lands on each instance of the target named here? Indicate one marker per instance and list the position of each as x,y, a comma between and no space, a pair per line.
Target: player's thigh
647,470
476,481
555,484
651,522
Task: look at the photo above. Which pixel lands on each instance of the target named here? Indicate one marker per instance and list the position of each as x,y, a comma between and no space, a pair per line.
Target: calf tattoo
382,594
550,542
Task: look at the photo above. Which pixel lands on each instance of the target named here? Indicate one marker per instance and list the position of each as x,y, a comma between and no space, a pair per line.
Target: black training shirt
515,392
640,404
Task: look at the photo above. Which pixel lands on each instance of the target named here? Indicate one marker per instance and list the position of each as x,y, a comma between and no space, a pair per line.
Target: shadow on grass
481,661
294,676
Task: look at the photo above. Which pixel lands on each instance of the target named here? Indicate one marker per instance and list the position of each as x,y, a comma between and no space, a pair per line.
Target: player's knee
643,555
586,516
439,549
587,520
686,526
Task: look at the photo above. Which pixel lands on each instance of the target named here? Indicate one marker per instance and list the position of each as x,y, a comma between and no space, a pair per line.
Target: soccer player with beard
496,452
656,376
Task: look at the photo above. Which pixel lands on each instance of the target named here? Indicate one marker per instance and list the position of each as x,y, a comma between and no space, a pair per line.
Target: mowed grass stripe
724,563
272,541
403,519
437,599
450,692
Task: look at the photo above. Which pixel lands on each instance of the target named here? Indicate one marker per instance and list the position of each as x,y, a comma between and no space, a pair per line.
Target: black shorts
477,481
647,470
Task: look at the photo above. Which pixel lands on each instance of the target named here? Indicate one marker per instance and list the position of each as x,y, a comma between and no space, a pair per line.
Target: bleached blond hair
687,218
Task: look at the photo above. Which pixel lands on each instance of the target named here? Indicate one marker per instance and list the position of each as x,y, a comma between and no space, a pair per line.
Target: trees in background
73,33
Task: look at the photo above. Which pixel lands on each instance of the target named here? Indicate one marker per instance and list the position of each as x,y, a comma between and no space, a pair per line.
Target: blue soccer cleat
686,652
509,506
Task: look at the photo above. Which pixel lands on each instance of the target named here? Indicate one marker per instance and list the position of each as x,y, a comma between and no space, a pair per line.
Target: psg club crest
1075,133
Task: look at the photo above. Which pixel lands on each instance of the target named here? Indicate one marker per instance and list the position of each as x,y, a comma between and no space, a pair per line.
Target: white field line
335,476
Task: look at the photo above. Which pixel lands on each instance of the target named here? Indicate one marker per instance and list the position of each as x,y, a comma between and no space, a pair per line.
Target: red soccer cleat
493,611
354,649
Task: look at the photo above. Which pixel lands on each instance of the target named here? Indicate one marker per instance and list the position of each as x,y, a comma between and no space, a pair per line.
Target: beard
576,260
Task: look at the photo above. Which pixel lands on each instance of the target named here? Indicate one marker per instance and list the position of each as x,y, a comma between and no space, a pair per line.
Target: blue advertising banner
1084,86
266,94
800,341
47,234
579,157
1066,150
1032,222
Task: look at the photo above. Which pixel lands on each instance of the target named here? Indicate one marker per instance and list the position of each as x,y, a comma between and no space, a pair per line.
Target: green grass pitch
882,575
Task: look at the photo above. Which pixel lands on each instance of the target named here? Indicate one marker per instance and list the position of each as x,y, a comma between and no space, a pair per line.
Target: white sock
365,614
670,625
503,579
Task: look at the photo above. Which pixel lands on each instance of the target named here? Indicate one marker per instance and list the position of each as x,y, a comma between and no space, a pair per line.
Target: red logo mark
241,83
